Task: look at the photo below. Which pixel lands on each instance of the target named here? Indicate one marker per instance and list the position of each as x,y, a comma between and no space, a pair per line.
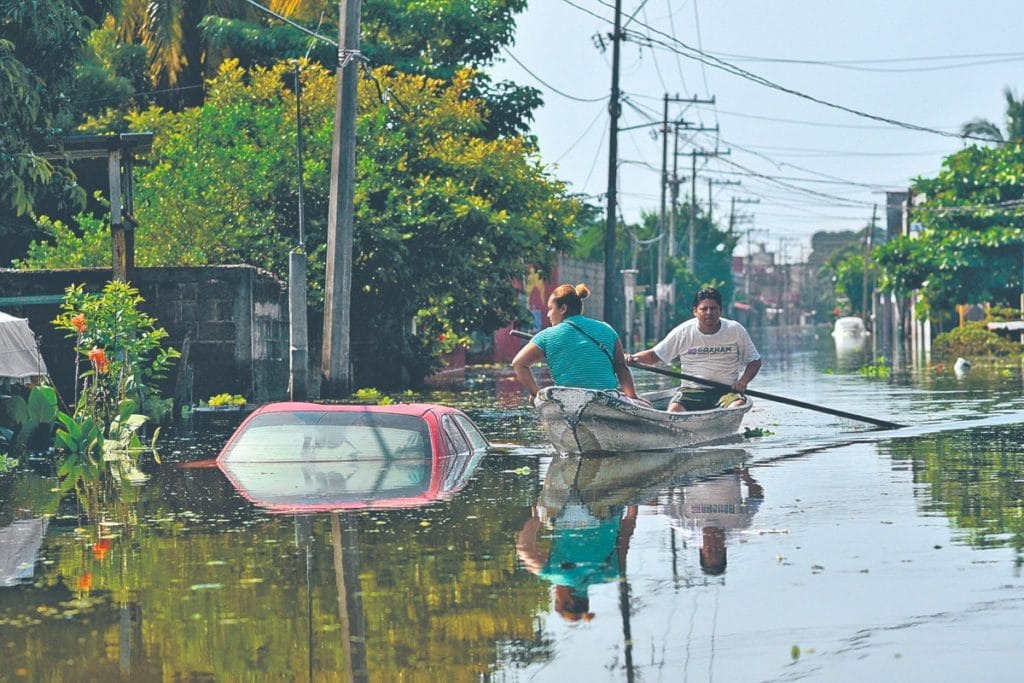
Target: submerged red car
308,457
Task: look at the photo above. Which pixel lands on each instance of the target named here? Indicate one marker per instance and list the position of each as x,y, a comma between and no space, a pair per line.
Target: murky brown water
821,551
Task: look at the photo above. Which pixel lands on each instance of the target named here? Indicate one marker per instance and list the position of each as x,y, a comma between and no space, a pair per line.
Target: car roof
414,409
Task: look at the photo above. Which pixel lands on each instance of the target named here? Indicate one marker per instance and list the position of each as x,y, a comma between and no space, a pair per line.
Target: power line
857,64
675,45
824,195
548,85
291,23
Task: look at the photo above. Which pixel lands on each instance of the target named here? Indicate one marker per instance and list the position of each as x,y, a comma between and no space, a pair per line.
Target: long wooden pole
884,424
613,313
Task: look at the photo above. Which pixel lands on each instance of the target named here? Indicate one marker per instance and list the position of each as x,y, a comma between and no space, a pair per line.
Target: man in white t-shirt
707,346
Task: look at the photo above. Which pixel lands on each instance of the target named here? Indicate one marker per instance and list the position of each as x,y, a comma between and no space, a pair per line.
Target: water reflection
714,511
856,548
19,549
578,532
350,484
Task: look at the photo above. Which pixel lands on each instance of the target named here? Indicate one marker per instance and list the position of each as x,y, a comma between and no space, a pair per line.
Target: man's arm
740,385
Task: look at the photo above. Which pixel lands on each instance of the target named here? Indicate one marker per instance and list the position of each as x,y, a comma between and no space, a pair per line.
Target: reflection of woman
578,532
583,550
580,351
713,509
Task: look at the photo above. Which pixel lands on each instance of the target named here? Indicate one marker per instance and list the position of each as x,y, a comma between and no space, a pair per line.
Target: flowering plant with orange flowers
122,344
119,358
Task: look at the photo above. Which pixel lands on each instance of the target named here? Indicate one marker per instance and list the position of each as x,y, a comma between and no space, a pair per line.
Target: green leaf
42,404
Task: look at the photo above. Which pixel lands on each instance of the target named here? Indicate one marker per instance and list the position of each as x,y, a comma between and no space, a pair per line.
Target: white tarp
19,354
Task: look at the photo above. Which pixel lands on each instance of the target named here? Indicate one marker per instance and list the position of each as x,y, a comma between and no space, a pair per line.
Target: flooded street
820,550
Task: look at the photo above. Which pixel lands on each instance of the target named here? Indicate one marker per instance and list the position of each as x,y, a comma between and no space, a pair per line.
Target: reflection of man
580,550
713,509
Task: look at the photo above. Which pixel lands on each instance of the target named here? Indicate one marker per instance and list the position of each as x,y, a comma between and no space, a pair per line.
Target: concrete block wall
235,317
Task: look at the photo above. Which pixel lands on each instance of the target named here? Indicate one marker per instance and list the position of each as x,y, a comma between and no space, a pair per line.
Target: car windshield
311,436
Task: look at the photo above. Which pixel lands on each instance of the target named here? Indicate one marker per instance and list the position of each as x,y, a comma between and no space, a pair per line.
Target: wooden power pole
613,311
336,367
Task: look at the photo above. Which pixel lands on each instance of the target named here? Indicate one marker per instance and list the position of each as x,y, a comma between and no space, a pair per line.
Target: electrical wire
548,85
675,45
291,23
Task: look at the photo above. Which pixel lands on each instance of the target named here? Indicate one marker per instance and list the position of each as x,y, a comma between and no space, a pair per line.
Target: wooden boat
588,421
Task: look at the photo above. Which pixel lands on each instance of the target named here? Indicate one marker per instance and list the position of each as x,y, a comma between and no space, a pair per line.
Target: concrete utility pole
336,367
712,182
298,332
613,313
869,240
694,153
664,294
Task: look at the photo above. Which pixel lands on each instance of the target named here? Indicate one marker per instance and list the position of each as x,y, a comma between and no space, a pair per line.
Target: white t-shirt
717,502
720,357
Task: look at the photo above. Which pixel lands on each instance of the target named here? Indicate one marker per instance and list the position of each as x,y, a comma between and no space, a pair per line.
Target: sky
821,106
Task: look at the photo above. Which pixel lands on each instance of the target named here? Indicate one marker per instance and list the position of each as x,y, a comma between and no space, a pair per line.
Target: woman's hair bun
582,291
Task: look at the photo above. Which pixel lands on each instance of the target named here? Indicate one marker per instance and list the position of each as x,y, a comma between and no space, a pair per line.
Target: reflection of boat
588,507
304,457
849,334
588,421
601,482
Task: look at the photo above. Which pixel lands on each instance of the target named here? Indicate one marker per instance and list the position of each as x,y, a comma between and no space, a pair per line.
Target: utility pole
733,217
664,293
613,313
712,181
694,153
869,239
298,332
336,367
660,296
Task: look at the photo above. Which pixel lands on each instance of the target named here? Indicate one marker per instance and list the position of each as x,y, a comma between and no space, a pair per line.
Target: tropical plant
124,348
1014,131
438,203
187,41
125,357
973,340
971,242
226,401
39,44
28,422
372,396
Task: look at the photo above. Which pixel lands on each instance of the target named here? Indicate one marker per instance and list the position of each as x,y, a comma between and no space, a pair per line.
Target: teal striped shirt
575,360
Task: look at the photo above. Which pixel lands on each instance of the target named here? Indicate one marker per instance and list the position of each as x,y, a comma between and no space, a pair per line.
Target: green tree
446,217
188,39
39,44
1014,132
970,246
713,252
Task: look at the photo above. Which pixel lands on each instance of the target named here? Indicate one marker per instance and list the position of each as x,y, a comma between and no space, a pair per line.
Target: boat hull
587,421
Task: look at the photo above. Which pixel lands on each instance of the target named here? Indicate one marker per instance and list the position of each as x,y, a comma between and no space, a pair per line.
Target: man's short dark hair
707,293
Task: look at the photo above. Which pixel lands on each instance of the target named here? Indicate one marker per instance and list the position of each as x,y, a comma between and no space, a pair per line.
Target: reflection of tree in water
975,478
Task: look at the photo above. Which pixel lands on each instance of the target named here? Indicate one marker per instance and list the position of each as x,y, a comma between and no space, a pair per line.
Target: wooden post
613,296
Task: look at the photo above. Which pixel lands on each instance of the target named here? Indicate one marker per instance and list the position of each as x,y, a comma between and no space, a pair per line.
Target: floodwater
820,550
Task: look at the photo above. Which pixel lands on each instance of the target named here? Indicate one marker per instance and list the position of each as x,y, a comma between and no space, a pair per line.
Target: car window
472,432
455,437
312,436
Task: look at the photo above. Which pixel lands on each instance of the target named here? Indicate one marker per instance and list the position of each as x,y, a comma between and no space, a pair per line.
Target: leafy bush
973,340
226,401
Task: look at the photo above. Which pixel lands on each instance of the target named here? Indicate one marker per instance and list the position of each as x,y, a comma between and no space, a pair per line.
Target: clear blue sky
933,65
